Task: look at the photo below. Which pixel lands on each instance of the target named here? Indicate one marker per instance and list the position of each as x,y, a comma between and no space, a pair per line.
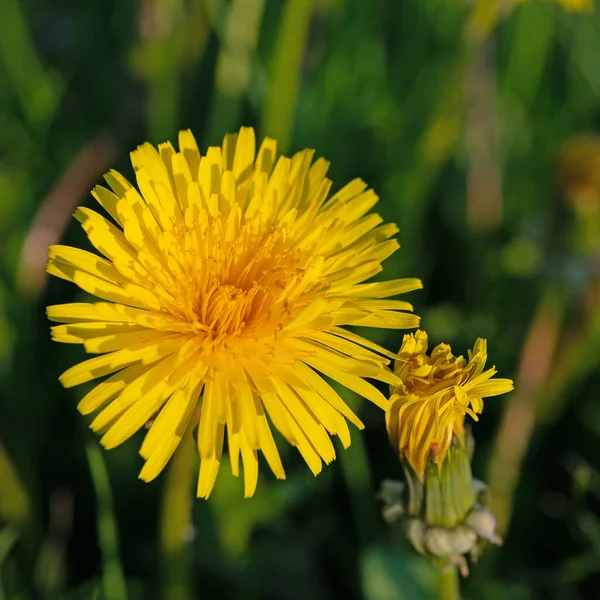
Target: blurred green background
474,121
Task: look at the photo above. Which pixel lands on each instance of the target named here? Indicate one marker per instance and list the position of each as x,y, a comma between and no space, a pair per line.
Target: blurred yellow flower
578,6
579,164
574,6
228,279
435,393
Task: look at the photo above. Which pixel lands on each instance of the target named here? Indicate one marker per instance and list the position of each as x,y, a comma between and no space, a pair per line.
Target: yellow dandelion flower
227,280
435,394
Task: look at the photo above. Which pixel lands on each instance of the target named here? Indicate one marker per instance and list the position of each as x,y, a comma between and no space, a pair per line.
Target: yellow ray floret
436,391
225,283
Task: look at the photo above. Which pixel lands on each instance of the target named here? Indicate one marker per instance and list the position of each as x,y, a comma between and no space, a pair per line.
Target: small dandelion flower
226,282
428,408
442,507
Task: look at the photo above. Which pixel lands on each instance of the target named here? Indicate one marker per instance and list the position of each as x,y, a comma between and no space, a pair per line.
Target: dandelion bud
449,542
482,521
442,505
415,532
436,393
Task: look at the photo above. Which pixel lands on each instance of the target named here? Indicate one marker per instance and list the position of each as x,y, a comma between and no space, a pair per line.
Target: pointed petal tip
144,476
83,408
64,381
108,444
330,459
345,444
203,491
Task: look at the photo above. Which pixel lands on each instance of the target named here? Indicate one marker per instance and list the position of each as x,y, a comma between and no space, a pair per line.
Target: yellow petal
108,201
189,148
327,393
109,363
168,428
245,149
250,460
110,388
209,465
384,289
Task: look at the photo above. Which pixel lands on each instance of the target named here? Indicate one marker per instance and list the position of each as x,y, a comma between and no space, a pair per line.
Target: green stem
286,71
163,104
235,66
357,475
449,583
15,502
113,580
8,538
176,520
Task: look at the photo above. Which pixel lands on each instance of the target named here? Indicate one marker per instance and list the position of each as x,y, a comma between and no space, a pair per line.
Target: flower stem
355,469
290,47
176,521
113,579
449,583
15,502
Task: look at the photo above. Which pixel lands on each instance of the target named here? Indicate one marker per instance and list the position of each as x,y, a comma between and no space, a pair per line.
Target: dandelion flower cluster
428,408
225,283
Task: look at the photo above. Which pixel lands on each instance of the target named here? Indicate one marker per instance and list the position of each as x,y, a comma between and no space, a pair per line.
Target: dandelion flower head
225,283
437,390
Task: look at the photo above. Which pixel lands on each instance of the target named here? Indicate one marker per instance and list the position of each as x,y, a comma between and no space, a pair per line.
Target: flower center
225,284
224,310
